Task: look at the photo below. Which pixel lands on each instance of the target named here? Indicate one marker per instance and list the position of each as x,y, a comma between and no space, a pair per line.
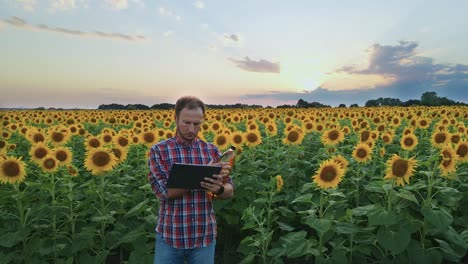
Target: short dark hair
191,102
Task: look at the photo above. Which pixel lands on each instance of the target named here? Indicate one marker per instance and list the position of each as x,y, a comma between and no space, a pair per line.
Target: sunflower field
326,185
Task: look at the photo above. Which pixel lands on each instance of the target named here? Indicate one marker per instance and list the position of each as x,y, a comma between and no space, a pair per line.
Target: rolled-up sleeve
157,175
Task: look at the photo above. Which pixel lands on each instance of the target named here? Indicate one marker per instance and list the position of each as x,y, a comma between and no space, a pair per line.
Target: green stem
103,213
357,182
389,197
430,185
19,204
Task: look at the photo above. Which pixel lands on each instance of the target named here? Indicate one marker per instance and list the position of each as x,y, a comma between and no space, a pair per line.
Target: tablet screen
189,176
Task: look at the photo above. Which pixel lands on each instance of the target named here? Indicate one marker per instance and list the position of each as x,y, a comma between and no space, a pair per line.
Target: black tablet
189,176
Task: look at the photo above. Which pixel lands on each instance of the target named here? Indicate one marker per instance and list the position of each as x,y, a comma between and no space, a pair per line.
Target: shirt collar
182,142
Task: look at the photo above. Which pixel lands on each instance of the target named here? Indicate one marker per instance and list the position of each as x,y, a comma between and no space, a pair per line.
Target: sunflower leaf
440,219
395,241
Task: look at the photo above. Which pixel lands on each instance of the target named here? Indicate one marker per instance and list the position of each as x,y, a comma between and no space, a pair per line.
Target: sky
84,53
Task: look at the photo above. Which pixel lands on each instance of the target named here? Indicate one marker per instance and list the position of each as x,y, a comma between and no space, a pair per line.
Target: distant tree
285,106
411,102
429,98
372,103
163,106
354,105
111,107
342,106
302,104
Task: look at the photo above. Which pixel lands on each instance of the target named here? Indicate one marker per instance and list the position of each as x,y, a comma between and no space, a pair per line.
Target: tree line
427,99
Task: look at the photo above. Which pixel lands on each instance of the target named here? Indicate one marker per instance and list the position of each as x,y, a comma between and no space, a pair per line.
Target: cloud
411,76
257,66
21,23
28,5
168,33
231,37
168,13
199,4
63,4
117,4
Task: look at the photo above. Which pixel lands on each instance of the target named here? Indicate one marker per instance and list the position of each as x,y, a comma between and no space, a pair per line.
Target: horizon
82,54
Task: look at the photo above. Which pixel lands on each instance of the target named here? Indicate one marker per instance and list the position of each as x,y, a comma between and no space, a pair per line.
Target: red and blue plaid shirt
188,221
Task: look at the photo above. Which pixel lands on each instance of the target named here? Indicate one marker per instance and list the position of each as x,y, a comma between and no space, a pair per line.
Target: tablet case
189,176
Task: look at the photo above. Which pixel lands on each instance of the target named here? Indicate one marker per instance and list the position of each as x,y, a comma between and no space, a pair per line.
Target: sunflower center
462,151
61,155
440,138
252,137
400,167
101,158
94,142
365,135
11,168
149,137
40,153
107,138
221,140
447,159
455,139
57,136
293,136
423,123
117,153
2,144
408,142
123,141
216,126
38,138
49,163
333,135
361,153
237,139
328,174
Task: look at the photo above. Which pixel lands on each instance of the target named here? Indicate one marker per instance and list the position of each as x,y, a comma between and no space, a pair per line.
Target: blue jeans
165,254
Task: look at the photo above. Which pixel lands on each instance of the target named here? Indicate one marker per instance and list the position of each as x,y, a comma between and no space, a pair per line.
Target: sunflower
362,152
440,138
36,136
341,160
408,141
221,141
271,129
93,142
121,140
58,137
100,160
308,126
293,137
462,151
253,138
12,170
382,152
400,169
148,138
329,174
423,123
63,155
49,163
3,144
332,137
72,170
387,138
38,151
237,138
455,138
120,153
448,160
279,183
106,137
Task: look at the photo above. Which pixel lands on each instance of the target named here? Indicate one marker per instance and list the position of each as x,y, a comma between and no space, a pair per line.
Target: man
186,227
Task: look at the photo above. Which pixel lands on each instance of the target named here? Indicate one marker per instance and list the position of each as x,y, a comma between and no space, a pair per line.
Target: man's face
189,123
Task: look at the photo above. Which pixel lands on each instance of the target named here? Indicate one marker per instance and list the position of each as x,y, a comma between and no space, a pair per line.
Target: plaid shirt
188,221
